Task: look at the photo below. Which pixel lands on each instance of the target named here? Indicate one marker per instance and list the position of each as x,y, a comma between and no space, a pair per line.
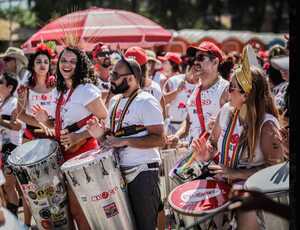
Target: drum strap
224,156
79,124
200,114
114,111
58,122
129,130
6,117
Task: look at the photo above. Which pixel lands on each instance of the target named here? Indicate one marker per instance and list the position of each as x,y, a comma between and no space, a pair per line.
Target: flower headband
42,47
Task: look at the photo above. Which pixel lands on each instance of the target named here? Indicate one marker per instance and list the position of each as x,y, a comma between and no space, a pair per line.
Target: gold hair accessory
243,72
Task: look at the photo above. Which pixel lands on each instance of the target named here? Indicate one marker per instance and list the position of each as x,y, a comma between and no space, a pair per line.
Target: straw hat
15,53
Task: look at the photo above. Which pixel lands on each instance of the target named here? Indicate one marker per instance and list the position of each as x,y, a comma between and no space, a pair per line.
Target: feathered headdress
243,72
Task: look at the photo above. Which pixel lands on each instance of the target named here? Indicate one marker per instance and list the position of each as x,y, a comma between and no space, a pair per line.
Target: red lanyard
200,111
58,121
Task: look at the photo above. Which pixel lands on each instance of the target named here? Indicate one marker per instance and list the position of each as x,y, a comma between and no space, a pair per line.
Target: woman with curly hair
78,101
245,137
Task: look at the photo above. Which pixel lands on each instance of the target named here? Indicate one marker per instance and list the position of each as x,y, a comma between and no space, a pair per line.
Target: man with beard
101,57
209,95
135,130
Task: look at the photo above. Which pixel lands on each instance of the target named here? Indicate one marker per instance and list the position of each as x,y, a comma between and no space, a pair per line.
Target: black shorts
145,200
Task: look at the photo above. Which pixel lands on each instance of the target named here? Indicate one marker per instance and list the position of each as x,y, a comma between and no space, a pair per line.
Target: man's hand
116,142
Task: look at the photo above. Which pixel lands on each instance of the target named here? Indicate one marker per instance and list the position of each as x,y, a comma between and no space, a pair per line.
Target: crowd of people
222,106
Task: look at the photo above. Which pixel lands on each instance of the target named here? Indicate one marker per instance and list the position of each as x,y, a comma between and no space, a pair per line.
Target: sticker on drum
111,210
199,197
271,179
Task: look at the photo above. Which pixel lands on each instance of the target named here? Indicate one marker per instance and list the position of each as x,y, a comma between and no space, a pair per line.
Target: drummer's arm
214,137
155,138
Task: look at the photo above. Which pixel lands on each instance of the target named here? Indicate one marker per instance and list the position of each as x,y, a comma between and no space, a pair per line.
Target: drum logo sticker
196,195
83,198
111,210
105,195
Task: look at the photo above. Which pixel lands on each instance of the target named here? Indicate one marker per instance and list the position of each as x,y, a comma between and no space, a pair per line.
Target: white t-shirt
144,110
210,101
46,100
75,109
8,135
177,108
154,89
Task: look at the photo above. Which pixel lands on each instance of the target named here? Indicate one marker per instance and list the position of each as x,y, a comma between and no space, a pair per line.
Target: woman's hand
95,127
202,149
69,139
221,170
40,114
49,131
116,142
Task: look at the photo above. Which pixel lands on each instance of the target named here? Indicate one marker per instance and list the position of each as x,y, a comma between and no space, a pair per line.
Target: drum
193,201
99,187
36,166
181,175
274,182
10,221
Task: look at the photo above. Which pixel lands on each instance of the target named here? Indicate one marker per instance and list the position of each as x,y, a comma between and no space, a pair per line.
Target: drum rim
36,162
268,191
205,212
65,167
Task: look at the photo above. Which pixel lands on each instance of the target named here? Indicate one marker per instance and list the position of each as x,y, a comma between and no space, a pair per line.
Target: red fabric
109,26
58,123
200,113
138,54
170,56
28,134
91,143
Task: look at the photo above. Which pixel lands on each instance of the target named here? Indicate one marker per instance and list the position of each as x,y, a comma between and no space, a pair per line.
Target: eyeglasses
8,59
232,88
115,75
201,57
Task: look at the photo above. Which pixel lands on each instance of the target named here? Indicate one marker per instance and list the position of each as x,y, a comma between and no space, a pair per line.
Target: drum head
32,152
84,159
271,179
199,197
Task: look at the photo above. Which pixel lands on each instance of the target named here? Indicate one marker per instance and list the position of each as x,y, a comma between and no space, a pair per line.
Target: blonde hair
258,103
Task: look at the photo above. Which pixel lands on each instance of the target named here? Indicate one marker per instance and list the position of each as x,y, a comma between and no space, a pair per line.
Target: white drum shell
100,190
42,182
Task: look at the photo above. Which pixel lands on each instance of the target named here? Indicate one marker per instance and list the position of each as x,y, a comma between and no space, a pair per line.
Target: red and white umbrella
95,25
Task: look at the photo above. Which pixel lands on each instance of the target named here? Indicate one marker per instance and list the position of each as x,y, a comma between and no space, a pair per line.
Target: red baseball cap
138,54
171,56
208,47
100,48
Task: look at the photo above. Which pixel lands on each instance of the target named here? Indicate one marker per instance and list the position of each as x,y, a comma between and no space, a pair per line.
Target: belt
176,122
153,165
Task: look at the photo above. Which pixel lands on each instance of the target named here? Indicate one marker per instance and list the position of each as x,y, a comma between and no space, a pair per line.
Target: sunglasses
8,59
232,88
201,57
103,54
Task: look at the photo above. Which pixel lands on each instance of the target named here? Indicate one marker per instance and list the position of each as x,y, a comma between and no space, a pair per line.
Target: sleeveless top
225,114
210,100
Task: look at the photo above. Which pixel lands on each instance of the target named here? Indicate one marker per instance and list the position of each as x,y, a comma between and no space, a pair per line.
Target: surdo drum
99,187
36,166
193,201
274,182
